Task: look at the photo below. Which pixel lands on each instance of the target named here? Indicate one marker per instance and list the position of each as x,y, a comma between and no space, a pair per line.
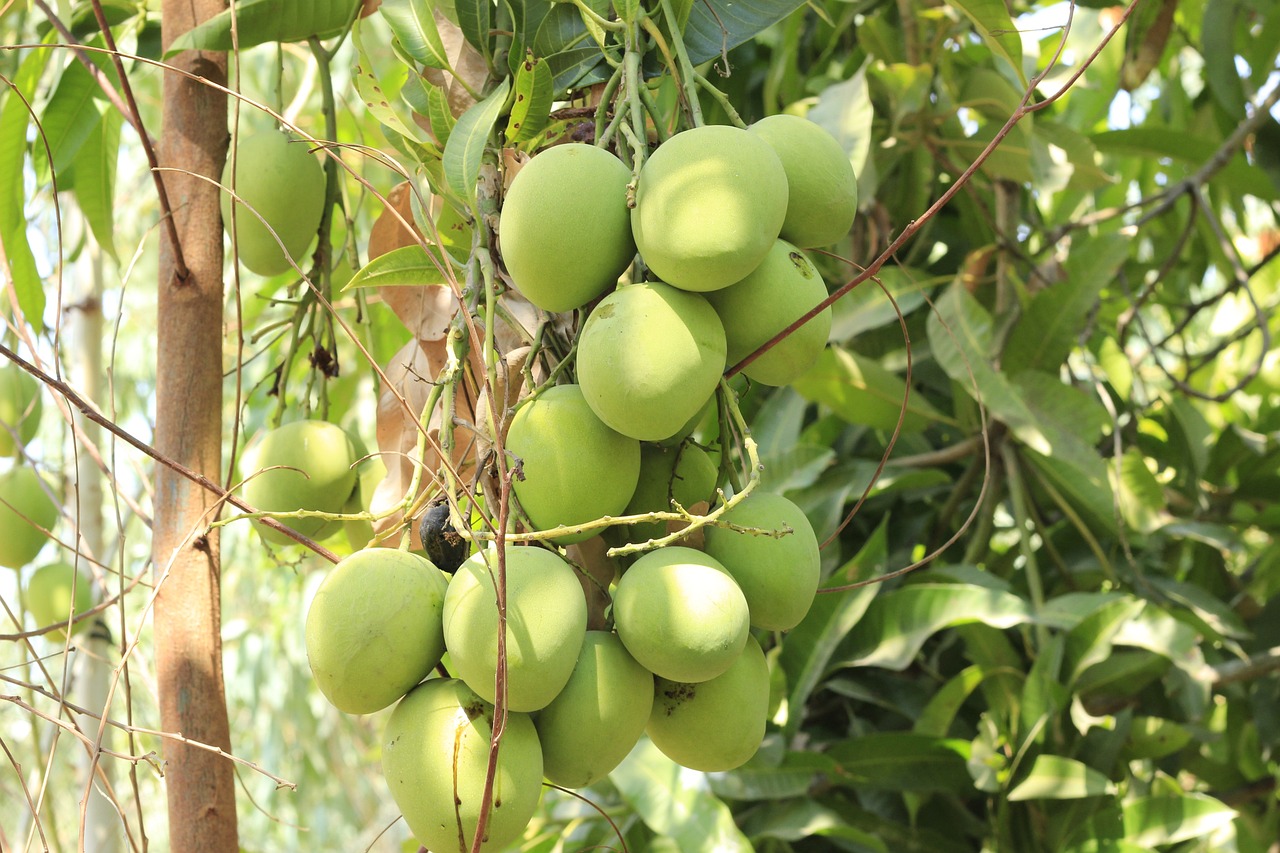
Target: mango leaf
1090,641
992,21
1139,494
1154,737
936,718
845,111
1238,176
531,108
860,391
903,761
408,266
475,20
68,119
14,119
898,623
867,307
95,179
1054,777
414,27
711,32
556,33
675,802
464,151
797,819
261,21
1221,73
1151,822
761,779
374,98
1063,158
1050,327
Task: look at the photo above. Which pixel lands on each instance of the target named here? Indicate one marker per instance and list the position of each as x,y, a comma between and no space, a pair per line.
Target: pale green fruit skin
777,293
590,727
375,628
24,506
649,358
49,595
576,469
318,474
565,230
709,203
684,473
680,614
20,407
434,757
546,624
778,576
285,184
822,190
716,725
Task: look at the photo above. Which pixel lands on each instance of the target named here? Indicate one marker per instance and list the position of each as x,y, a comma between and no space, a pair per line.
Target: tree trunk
199,783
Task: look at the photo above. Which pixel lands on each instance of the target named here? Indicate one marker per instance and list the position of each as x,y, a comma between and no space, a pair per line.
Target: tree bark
199,784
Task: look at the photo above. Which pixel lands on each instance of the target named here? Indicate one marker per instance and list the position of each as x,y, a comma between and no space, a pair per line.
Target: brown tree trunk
199,783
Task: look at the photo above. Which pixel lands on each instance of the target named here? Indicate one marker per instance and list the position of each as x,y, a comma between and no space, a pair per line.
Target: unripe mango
822,191
312,467
776,293
375,628
546,623
20,407
649,358
709,204
284,184
680,614
434,757
718,724
576,469
590,727
565,230
50,593
778,576
24,509
684,473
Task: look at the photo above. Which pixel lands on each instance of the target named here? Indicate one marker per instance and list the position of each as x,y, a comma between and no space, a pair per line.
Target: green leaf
1050,327
261,21
371,93
69,118
936,718
991,19
1140,494
464,151
95,179
898,623
1062,158
534,93
866,307
845,111
1153,737
555,32
860,391
709,31
414,26
798,819
1154,821
760,779
809,646
475,20
903,761
1054,777
663,794
1238,176
14,120
1090,641
408,266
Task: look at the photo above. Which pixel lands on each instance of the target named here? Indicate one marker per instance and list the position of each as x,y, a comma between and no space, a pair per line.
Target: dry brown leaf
598,570
425,311
466,62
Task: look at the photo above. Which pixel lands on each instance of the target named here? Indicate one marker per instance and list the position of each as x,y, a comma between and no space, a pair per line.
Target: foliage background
1089,439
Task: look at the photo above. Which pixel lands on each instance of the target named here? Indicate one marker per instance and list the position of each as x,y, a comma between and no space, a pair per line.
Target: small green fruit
284,184
822,191
590,727
680,614
576,469
20,407
684,473
25,508
50,592
709,204
434,757
649,358
718,724
777,293
546,623
778,576
311,468
565,231
375,628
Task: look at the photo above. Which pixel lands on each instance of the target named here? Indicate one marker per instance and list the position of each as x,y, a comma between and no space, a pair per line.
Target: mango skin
778,576
822,190
681,614
684,473
20,406
776,293
285,184
318,474
710,201
24,505
716,725
375,628
565,230
49,598
576,469
434,756
590,727
546,624
649,358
